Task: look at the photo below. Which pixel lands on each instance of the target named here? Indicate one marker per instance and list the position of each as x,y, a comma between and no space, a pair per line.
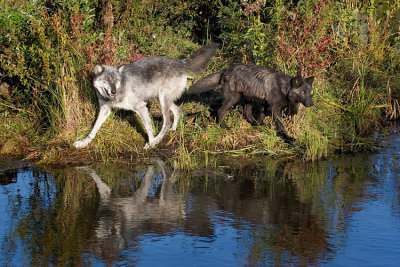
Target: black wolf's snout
309,103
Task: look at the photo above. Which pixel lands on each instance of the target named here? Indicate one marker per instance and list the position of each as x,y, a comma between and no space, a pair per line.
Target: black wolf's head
300,91
107,81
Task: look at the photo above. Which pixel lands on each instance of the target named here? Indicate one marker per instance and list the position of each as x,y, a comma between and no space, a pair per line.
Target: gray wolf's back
154,68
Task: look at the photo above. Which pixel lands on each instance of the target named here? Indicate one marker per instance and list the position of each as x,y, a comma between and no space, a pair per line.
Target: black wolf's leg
262,115
248,113
280,128
230,99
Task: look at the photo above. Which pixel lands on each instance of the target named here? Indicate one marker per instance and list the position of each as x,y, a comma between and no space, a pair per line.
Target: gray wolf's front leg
104,112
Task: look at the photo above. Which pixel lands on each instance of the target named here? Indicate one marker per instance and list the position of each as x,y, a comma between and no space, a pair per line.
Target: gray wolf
133,85
254,83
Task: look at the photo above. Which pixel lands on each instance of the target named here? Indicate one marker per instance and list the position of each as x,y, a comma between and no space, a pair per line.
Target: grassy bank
47,53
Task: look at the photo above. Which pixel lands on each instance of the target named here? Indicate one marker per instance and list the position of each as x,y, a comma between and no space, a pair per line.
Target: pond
340,212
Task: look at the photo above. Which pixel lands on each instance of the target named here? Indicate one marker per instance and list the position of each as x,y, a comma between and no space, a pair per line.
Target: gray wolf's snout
113,89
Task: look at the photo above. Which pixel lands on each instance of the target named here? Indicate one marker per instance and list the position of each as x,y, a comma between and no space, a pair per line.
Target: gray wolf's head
107,81
300,91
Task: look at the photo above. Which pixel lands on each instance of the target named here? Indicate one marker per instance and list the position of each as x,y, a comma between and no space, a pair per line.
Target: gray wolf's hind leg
104,112
165,108
177,113
144,116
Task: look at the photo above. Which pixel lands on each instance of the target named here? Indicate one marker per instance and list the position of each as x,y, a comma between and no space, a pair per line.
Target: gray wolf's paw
147,146
152,143
82,143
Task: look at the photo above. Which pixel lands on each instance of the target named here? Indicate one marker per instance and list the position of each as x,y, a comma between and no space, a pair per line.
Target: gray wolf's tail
199,60
206,84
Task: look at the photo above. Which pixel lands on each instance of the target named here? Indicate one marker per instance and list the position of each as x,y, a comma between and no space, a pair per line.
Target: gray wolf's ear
296,82
309,80
121,68
98,69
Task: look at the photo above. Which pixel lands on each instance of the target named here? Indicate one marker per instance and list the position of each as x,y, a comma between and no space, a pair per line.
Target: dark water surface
341,212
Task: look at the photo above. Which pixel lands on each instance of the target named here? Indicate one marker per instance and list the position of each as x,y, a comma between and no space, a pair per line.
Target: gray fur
133,85
255,83
199,60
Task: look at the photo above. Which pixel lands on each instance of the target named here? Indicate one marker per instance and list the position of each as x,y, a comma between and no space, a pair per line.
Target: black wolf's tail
206,84
199,60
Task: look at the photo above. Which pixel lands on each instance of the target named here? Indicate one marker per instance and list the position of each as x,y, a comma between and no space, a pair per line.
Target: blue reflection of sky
371,239
226,247
13,199
182,249
14,205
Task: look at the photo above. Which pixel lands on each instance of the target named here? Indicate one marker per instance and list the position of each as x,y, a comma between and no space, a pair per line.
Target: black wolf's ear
309,80
98,69
296,82
299,72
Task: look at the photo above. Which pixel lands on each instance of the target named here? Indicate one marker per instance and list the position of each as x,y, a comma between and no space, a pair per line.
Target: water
341,212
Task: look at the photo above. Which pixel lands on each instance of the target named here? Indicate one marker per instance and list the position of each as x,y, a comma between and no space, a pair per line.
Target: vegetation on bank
48,50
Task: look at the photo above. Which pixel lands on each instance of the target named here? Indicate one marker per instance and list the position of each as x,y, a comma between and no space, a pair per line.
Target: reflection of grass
303,203
57,226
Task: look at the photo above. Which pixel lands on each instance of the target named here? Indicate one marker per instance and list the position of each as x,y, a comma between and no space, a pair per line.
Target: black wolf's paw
286,138
223,125
289,140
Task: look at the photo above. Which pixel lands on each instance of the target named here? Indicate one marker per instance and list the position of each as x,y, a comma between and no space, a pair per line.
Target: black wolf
258,84
131,87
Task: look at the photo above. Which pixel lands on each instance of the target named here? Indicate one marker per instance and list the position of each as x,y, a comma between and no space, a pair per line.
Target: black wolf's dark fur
254,84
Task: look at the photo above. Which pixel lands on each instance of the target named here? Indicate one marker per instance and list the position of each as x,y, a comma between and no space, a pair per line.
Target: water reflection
339,212
120,220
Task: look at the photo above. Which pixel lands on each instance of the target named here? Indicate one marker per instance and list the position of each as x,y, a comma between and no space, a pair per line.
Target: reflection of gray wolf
121,218
131,86
255,83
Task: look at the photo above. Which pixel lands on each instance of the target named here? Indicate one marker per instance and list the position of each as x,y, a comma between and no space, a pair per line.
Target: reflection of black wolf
255,83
